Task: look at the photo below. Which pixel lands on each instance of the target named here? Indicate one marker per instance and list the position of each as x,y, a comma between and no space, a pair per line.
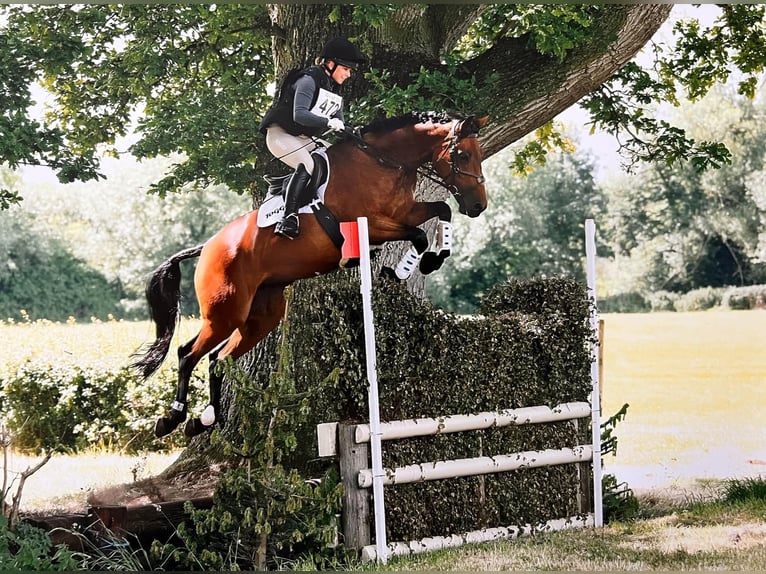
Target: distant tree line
84,250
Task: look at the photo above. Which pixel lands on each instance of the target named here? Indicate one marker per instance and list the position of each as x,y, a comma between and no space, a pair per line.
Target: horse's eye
463,155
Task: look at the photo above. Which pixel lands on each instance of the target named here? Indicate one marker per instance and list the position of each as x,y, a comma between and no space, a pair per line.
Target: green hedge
71,408
530,348
740,298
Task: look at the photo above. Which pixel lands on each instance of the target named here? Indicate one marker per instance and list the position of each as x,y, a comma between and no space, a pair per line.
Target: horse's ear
471,126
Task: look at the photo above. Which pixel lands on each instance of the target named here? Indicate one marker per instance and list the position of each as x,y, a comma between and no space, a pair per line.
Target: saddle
311,201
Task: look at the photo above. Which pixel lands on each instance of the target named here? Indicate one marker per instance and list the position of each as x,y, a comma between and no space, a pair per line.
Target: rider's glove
335,124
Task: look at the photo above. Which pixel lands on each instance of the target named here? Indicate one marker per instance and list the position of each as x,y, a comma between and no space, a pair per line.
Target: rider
308,105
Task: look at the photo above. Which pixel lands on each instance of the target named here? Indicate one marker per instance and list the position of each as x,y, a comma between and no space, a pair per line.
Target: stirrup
289,226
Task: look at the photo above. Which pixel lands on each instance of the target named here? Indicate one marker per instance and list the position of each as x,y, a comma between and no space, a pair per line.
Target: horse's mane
409,119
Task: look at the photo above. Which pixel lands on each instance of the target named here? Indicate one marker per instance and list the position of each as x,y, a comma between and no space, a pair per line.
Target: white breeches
291,149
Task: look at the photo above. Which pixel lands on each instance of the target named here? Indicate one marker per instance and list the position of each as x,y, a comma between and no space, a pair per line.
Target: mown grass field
696,386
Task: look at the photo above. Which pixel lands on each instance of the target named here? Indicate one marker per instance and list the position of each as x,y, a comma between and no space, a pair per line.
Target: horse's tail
163,293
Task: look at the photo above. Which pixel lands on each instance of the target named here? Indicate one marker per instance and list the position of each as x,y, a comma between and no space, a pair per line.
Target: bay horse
243,269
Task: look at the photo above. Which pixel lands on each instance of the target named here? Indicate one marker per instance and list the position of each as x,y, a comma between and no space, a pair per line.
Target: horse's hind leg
267,310
189,354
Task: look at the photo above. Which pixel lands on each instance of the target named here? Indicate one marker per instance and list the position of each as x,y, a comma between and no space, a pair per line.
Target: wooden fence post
353,457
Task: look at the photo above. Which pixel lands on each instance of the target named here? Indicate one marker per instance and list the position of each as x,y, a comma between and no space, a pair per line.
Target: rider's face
341,73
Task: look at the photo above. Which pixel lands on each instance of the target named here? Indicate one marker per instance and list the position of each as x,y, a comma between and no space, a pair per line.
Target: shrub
529,349
631,302
740,298
700,299
662,300
29,549
51,407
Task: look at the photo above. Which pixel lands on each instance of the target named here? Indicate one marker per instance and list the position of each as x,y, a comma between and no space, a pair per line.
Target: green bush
740,298
29,549
700,299
50,407
632,302
662,300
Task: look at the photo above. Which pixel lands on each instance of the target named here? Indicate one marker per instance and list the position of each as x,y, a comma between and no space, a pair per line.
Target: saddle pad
273,208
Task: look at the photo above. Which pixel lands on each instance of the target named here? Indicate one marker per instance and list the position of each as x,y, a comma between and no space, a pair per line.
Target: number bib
327,104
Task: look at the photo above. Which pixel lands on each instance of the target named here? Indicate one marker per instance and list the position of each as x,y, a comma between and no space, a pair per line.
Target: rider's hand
335,124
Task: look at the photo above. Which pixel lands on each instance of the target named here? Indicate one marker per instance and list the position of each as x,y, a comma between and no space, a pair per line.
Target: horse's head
458,162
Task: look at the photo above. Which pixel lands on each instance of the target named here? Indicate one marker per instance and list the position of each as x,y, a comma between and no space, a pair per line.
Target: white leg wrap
408,263
444,233
207,417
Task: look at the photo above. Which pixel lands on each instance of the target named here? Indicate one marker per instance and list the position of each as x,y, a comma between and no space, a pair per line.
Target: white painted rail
459,423
480,465
433,543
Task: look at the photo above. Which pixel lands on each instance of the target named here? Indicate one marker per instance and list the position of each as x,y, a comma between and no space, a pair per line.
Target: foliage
619,502
40,278
751,297
426,90
701,59
552,29
264,511
629,302
60,407
198,74
96,243
27,548
533,227
745,489
531,345
700,299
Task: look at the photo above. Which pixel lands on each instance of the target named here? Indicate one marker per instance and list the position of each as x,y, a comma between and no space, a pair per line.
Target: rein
428,173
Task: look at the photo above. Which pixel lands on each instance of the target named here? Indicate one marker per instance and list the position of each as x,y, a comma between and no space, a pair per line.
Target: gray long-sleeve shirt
305,88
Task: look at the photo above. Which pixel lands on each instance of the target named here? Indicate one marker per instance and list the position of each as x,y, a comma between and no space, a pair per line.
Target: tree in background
680,229
121,232
533,227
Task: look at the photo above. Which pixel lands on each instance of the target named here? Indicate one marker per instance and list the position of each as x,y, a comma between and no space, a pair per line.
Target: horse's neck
407,146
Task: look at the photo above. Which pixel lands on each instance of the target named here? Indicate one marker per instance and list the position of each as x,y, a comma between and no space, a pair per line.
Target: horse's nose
475,210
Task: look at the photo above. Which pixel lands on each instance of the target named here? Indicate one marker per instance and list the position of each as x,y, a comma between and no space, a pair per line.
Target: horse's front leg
419,252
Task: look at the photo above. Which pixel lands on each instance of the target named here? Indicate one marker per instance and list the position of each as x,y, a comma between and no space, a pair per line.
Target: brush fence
358,447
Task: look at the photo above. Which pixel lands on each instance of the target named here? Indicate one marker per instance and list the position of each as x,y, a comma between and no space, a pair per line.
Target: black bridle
455,169
430,172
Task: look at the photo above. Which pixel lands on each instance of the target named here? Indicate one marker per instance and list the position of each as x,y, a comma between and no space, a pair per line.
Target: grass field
696,386
695,382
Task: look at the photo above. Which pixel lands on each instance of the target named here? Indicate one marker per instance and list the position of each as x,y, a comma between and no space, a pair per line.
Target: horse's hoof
432,261
207,417
164,426
194,427
390,274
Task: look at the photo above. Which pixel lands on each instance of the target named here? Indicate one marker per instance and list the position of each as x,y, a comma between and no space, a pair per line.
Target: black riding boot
288,227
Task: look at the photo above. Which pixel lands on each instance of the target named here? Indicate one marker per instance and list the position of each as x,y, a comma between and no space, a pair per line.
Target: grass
696,385
713,534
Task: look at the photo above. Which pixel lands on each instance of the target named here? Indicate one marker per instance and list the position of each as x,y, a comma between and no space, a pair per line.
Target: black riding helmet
342,52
